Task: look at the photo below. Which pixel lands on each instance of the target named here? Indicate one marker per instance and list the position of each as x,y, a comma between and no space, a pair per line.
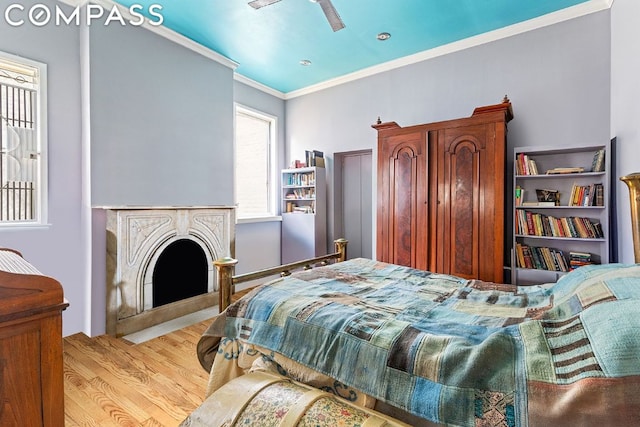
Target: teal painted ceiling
268,43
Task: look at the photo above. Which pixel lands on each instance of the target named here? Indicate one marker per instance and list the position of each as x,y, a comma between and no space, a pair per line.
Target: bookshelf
303,207
560,211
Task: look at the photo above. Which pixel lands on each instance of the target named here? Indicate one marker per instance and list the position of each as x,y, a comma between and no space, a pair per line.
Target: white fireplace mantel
136,237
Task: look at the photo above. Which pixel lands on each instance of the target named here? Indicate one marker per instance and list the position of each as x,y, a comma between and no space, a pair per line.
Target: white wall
625,107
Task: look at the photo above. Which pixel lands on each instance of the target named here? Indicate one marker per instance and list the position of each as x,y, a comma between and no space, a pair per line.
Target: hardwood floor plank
113,382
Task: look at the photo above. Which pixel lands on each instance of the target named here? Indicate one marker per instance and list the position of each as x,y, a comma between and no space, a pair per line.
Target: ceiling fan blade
257,4
332,14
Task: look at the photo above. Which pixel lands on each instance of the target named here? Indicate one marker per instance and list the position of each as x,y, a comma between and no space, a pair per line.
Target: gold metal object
633,182
227,279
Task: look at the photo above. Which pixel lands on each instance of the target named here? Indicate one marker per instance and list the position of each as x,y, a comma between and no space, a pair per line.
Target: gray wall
161,122
58,249
161,132
557,78
625,108
258,243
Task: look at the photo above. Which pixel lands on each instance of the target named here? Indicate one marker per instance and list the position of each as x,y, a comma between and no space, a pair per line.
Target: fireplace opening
180,272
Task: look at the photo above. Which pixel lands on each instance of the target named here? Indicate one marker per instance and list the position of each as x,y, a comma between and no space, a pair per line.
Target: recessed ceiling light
305,62
383,36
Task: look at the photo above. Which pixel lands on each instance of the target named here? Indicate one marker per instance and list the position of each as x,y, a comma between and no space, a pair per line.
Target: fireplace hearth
160,263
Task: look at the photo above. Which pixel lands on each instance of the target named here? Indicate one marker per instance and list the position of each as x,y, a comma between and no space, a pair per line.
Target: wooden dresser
31,366
441,198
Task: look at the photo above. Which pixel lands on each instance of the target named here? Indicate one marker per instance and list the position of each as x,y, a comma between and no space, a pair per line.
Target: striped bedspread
454,351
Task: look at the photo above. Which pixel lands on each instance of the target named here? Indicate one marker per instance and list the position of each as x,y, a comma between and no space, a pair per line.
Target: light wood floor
112,382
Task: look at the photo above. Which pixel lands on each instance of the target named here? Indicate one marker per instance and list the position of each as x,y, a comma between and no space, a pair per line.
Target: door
354,206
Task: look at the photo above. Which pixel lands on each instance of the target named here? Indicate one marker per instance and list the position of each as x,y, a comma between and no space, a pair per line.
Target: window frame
272,170
41,184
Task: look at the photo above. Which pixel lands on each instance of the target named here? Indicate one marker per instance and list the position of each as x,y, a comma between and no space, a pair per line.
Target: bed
433,349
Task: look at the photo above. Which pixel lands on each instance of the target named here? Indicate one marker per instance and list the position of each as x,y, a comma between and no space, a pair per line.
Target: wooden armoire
441,198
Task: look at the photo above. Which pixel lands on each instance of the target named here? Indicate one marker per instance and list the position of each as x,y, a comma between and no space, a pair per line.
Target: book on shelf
587,195
526,165
597,165
314,158
599,198
579,259
519,195
557,171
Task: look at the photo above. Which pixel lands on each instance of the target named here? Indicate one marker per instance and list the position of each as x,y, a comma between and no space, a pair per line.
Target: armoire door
470,209
402,230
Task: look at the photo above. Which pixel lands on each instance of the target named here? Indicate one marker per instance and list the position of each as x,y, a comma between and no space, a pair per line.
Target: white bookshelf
304,220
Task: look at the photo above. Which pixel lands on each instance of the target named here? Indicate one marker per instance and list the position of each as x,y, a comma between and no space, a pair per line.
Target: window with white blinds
22,142
254,180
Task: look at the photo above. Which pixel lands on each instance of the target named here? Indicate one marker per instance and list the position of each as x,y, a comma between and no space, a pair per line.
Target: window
254,156
22,142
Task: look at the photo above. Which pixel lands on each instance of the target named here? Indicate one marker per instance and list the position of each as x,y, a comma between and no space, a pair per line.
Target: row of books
526,165
299,178
301,193
536,224
587,195
541,258
305,209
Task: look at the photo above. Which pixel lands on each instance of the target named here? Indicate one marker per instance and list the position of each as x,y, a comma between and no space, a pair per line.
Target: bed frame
227,280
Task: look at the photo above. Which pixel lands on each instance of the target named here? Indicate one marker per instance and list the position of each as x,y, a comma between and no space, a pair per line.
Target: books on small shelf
541,258
300,179
578,259
314,158
301,193
535,224
526,165
587,195
293,208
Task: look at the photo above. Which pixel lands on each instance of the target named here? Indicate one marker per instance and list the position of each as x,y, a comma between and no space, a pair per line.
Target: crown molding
256,85
162,31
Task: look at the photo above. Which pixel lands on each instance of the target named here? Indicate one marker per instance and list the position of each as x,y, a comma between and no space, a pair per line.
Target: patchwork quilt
454,351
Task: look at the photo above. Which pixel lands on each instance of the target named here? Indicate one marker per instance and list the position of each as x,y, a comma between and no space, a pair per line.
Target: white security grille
18,143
